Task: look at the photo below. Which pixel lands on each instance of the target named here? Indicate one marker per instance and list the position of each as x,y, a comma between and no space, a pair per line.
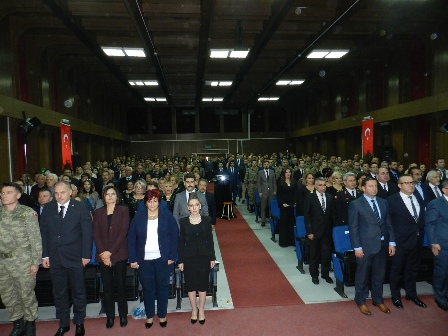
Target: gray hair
68,185
54,176
140,182
431,173
347,175
319,179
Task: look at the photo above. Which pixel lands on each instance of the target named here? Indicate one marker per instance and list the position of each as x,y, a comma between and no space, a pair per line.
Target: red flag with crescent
367,137
66,145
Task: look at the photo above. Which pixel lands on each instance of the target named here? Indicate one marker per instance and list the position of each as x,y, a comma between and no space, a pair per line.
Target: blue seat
344,261
300,242
275,217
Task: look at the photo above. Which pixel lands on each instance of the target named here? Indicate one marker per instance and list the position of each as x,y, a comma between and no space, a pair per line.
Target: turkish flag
66,145
367,137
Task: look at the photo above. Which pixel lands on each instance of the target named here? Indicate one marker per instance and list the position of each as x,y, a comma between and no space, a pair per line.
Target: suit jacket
122,183
393,178
264,185
167,231
391,189
298,174
340,206
437,222
408,233
365,231
113,238
211,203
427,190
180,208
192,243
66,240
234,177
318,222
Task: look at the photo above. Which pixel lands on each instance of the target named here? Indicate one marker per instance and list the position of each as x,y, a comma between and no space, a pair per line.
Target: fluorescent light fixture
116,52
134,52
212,99
219,53
161,99
151,83
283,82
207,99
336,53
297,82
121,52
268,98
218,99
225,83
139,83
150,99
214,83
290,82
132,83
157,99
238,53
318,54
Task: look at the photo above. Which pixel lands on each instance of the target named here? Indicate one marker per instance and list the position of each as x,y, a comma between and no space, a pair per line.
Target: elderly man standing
20,252
436,221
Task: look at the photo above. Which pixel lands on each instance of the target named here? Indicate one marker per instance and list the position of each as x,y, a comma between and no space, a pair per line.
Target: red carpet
254,278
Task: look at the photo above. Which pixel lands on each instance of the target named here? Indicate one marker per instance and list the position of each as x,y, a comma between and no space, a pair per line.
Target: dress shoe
30,328
109,323
148,325
443,306
163,324
18,328
123,321
193,321
364,309
203,320
62,330
80,331
382,307
397,303
327,279
417,301
263,224
315,280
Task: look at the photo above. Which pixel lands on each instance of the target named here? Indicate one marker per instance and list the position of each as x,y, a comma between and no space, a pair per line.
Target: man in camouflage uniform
278,170
251,184
20,256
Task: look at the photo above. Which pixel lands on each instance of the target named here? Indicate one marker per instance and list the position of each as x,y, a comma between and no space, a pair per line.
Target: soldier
251,184
20,255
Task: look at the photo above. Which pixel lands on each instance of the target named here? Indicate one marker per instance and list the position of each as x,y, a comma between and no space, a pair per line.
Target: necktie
414,210
267,173
232,170
323,202
354,193
61,211
385,186
436,191
375,210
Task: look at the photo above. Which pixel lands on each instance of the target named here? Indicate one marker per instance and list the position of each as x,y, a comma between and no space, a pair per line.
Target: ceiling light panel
113,52
238,53
219,53
134,52
318,54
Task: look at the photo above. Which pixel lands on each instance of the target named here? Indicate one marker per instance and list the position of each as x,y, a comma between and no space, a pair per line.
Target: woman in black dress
304,188
196,256
287,194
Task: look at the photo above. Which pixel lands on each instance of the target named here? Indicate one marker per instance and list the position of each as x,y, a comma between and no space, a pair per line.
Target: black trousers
110,276
320,252
404,271
62,277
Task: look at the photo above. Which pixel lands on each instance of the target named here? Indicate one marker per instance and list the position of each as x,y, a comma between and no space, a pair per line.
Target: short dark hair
368,179
106,189
12,184
444,184
188,175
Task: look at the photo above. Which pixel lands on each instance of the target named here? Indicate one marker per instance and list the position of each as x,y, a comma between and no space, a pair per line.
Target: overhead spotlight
29,124
433,36
322,73
298,11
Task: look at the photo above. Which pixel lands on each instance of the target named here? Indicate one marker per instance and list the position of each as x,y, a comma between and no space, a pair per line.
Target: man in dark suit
420,192
210,198
298,173
122,182
66,227
343,198
233,173
408,219
385,187
433,185
372,238
317,212
440,167
393,171
437,231
267,188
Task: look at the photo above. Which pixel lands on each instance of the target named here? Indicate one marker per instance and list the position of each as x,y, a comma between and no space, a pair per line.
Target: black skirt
196,273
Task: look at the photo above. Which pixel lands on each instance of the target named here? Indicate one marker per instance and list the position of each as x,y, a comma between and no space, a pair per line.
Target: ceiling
177,36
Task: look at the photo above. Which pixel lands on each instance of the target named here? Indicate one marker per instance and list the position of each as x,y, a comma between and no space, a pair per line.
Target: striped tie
375,210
